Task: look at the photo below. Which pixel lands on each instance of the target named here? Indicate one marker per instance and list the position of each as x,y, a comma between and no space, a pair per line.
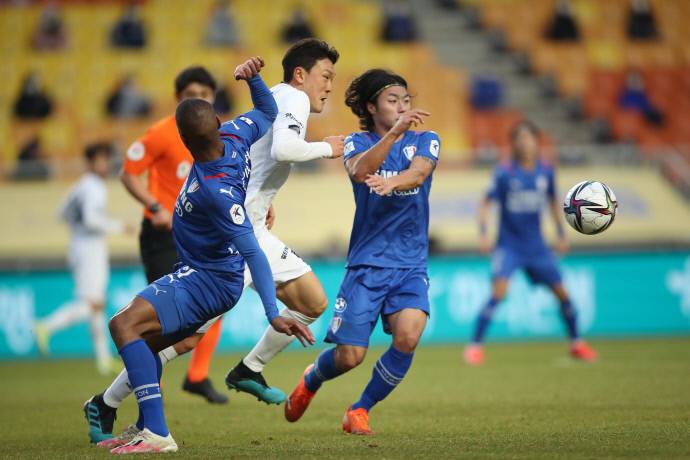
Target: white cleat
120,440
147,442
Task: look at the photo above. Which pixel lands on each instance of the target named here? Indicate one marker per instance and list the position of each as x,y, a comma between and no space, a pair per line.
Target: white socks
120,388
273,342
100,341
66,315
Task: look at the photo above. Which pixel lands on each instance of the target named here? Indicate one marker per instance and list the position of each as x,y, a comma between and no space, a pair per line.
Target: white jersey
84,210
272,155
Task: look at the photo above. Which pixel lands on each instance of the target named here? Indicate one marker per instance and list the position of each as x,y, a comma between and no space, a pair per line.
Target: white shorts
88,260
285,264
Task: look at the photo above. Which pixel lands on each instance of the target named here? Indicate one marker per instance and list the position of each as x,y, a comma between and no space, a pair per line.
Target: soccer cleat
357,422
580,350
120,440
204,389
241,378
100,418
42,339
474,355
147,442
299,399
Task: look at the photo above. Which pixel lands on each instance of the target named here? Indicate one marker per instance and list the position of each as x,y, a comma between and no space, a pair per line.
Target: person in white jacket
84,210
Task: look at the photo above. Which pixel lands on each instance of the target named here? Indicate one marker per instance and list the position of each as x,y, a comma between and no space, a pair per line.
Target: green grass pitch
529,401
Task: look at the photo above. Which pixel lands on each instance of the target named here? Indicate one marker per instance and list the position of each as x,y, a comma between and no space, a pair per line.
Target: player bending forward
213,239
522,189
390,169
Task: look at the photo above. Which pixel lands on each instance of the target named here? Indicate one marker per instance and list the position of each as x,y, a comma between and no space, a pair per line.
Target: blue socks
570,319
159,371
144,377
484,319
388,372
324,369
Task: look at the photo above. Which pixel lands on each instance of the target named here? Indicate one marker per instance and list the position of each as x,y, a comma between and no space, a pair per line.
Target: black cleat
100,418
204,389
241,378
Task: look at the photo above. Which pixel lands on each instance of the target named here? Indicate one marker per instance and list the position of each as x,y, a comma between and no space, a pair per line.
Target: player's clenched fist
408,120
249,68
337,144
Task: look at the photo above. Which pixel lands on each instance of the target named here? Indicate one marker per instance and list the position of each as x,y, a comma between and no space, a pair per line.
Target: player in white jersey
308,72
84,211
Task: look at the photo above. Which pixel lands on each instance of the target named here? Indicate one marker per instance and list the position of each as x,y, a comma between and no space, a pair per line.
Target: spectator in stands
224,103
128,31
563,26
398,22
127,101
641,23
50,33
31,162
486,92
221,30
32,102
634,97
297,27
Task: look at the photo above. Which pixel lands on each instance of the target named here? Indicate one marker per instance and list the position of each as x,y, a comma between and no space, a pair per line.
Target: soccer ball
590,207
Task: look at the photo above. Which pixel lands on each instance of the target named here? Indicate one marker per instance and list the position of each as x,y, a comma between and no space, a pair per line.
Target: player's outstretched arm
414,176
261,96
359,167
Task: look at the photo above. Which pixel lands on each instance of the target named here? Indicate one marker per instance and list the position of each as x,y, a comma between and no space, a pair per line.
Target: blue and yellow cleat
100,418
241,378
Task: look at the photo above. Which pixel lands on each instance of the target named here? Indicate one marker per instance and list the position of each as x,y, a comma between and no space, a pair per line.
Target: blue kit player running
390,168
213,238
522,189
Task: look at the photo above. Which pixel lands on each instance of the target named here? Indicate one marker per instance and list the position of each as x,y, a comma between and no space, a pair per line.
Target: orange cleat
580,350
357,422
298,401
474,355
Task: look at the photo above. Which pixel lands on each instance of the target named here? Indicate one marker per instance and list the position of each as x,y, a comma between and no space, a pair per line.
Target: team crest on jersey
237,214
409,151
193,187
335,324
136,151
340,304
349,147
434,147
183,169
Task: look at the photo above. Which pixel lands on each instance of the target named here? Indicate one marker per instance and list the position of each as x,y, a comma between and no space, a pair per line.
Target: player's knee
406,342
116,328
318,307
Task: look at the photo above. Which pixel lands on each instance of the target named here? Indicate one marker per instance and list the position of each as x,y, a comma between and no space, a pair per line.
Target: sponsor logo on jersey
226,191
193,187
409,151
286,251
293,118
335,323
136,151
183,169
434,147
340,304
237,214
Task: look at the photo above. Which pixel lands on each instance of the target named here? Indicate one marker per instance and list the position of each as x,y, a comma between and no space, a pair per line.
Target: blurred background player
522,189
85,211
162,154
214,239
390,168
308,72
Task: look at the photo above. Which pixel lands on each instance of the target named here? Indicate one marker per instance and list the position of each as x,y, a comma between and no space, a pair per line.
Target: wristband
154,208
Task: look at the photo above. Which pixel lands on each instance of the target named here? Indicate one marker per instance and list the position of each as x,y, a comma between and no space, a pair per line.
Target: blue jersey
391,231
522,196
209,211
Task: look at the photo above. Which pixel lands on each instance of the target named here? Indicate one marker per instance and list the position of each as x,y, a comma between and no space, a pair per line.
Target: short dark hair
197,123
365,89
98,148
524,124
196,74
305,53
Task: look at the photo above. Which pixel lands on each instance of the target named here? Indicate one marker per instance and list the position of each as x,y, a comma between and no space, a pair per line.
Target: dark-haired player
308,72
522,189
390,168
213,238
84,211
162,154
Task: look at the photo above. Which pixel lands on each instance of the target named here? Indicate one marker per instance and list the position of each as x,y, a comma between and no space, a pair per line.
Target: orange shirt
160,151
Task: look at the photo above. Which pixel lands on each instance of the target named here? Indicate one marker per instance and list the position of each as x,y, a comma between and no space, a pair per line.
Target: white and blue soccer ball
590,207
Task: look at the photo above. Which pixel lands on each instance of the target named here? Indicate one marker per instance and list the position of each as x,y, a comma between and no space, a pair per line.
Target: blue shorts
541,268
186,299
369,292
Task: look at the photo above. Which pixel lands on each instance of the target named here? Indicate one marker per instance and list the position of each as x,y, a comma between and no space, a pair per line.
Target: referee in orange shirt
161,153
